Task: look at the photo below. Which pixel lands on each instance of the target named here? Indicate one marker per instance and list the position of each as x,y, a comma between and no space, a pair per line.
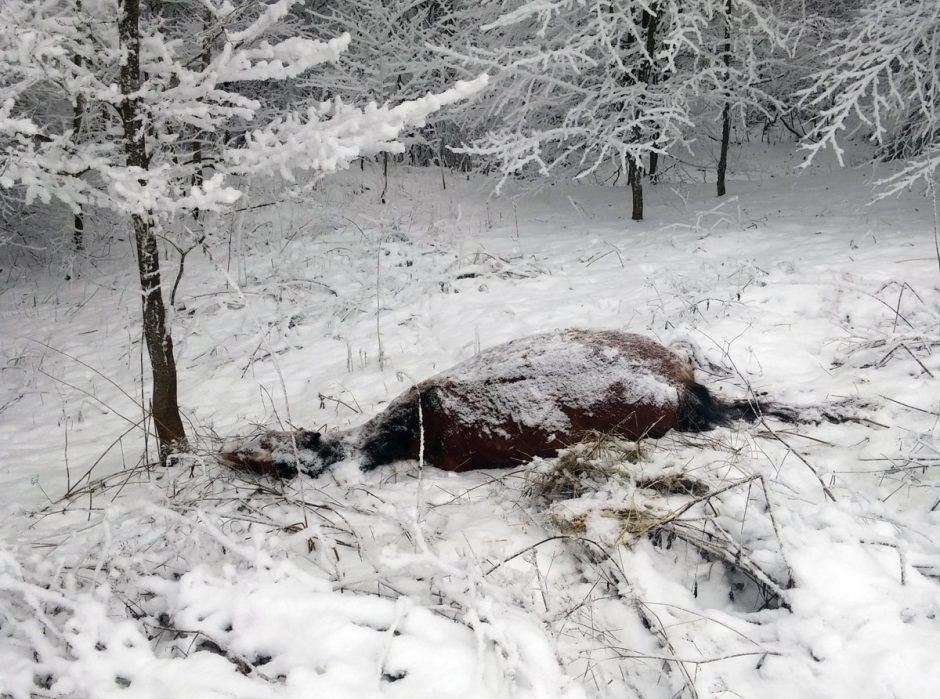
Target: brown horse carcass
525,398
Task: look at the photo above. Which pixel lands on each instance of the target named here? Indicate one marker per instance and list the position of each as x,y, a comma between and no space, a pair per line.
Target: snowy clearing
739,577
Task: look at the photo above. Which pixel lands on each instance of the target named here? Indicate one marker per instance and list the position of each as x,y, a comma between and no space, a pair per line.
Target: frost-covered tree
394,56
805,27
732,68
581,84
575,88
148,78
882,78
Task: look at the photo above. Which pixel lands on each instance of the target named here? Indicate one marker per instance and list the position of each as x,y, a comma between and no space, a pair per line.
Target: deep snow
412,582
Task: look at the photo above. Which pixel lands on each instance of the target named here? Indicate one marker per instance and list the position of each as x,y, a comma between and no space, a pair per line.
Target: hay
584,467
599,460
611,492
633,521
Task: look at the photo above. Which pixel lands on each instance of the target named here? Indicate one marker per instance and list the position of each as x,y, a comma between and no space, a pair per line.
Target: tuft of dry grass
599,459
602,463
674,483
608,489
581,468
631,520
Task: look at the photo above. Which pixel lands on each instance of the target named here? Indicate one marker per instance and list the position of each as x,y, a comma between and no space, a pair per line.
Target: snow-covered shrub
880,79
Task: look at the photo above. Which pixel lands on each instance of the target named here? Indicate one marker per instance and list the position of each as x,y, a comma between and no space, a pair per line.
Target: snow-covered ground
121,579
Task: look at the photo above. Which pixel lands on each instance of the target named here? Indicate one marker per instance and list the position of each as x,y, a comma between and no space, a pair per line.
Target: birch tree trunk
164,408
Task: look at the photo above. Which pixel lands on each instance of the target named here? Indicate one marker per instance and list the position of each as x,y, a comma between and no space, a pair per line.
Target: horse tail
700,411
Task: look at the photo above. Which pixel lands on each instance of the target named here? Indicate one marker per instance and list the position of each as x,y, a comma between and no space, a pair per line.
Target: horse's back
531,396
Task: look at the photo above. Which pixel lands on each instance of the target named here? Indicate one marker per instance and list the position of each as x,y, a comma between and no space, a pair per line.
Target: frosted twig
655,625
378,305
88,366
557,537
675,514
763,421
773,433
902,555
72,490
773,522
627,653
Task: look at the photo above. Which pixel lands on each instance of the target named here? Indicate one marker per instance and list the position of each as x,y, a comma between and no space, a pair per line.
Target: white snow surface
127,580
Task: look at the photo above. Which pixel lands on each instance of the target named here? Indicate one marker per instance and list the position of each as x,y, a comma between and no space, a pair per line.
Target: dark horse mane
525,398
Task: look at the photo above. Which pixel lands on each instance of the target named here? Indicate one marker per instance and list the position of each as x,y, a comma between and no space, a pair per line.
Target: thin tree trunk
197,178
384,175
636,187
723,157
198,156
652,22
635,174
165,408
726,109
78,226
654,164
78,230
440,158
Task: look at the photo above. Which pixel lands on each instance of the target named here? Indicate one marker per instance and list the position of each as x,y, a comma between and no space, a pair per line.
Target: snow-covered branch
186,104
334,133
883,77
576,84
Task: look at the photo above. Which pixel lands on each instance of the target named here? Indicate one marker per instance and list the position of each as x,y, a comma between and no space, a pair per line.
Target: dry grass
601,459
604,463
611,490
582,467
635,521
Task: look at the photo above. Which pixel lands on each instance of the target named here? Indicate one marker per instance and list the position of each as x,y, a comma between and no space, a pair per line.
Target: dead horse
525,398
